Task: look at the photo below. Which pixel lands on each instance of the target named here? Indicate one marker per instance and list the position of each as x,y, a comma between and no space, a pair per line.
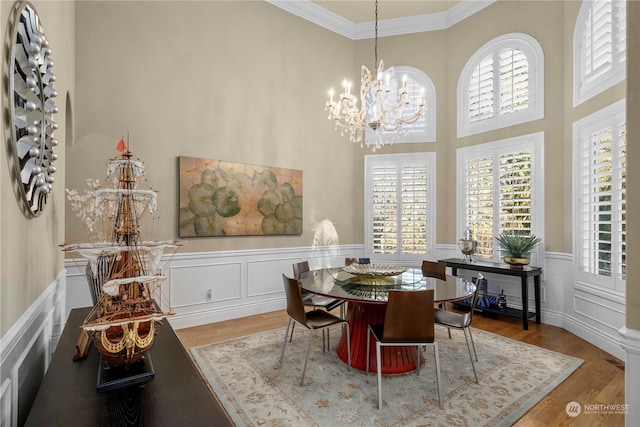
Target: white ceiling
355,18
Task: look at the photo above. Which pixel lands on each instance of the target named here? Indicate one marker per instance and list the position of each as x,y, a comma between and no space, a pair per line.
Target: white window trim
617,287
583,91
533,142
429,109
428,159
533,51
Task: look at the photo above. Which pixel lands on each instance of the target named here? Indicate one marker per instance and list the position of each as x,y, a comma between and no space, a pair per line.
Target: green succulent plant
516,246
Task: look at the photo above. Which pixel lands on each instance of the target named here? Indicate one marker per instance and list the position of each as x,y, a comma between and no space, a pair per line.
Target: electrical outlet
209,294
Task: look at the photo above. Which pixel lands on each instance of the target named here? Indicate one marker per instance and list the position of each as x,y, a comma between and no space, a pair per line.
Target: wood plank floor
599,381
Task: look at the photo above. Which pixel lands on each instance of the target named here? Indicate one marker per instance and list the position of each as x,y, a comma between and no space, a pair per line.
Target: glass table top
337,283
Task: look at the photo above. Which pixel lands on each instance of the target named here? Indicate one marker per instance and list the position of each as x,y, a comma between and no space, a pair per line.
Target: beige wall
236,81
29,257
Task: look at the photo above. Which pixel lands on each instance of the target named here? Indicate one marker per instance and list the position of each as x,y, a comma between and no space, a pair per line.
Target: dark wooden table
504,269
177,396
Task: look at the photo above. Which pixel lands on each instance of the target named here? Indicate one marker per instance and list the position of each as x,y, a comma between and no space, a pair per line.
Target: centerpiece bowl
375,270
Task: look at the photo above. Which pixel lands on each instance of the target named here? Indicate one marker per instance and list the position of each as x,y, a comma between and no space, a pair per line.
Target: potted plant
517,248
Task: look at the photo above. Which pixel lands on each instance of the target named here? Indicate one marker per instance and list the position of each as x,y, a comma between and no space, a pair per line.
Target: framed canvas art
219,198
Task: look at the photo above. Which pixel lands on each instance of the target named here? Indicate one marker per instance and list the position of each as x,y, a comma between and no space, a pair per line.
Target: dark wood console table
177,396
504,269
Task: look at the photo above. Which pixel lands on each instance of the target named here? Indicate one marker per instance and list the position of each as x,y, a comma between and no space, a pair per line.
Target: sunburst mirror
31,95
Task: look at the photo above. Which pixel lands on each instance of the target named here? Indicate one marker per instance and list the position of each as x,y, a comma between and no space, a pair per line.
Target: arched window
422,130
502,84
599,48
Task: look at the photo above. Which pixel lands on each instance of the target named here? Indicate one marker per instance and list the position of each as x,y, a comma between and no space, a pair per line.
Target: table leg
536,289
525,303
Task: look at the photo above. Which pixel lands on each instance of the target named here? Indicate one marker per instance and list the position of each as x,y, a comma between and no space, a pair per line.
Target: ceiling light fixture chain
384,107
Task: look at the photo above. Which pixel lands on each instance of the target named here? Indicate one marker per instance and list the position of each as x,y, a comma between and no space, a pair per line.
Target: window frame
371,161
530,47
533,142
585,88
582,129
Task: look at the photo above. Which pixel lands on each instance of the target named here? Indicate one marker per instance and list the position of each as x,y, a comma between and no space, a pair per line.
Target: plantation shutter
497,192
481,91
514,81
515,193
399,188
602,207
385,209
602,46
479,203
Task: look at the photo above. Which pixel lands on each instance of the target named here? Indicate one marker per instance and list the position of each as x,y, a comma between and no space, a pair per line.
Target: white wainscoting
214,286
207,287
25,352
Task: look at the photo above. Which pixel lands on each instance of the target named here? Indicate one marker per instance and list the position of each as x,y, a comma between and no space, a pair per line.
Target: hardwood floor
599,381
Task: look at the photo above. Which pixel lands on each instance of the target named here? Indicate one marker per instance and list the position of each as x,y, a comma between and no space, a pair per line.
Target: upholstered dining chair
315,319
408,321
349,261
434,269
462,321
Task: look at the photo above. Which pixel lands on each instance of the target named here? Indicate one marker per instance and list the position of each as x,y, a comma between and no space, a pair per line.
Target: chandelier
383,110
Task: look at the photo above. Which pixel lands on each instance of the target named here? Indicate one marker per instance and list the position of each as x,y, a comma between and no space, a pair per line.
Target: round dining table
366,298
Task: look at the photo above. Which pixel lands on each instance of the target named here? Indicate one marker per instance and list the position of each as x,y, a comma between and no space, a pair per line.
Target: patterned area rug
246,376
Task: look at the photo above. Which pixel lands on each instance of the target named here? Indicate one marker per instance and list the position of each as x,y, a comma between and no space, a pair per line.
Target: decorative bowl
375,270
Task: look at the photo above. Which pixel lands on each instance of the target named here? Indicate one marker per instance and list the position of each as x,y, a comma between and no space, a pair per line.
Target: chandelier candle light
380,111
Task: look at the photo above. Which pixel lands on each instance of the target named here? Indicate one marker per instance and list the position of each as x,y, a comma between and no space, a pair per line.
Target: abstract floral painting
219,198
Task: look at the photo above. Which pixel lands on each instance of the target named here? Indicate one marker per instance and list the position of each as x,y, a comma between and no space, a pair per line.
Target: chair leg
306,359
379,370
470,356
437,358
286,334
473,345
348,345
418,360
291,337
368,351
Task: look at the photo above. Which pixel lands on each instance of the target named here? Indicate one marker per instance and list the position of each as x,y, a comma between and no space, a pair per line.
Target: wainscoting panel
25,352
264,277
193,284
242,283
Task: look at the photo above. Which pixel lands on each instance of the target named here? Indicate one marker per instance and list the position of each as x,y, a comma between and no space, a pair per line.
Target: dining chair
316,301
434,269
462,321
348,261
408,321
315,319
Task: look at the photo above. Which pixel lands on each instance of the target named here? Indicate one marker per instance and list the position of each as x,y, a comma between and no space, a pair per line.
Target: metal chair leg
368,351
291,337
306,359
437,357
286,334
472,344
470,356
379,370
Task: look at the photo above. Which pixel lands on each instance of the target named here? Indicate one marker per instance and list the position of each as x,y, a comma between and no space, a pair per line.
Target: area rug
246,376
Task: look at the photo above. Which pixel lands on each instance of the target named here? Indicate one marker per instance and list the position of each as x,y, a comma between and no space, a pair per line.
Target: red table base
395,360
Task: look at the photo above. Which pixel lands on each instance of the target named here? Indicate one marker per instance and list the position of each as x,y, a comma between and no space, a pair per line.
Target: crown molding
388,27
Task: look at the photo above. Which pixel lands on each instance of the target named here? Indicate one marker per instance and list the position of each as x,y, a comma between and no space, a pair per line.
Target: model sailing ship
124,271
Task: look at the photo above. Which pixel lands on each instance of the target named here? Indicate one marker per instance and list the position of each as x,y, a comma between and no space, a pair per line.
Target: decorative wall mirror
31,108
